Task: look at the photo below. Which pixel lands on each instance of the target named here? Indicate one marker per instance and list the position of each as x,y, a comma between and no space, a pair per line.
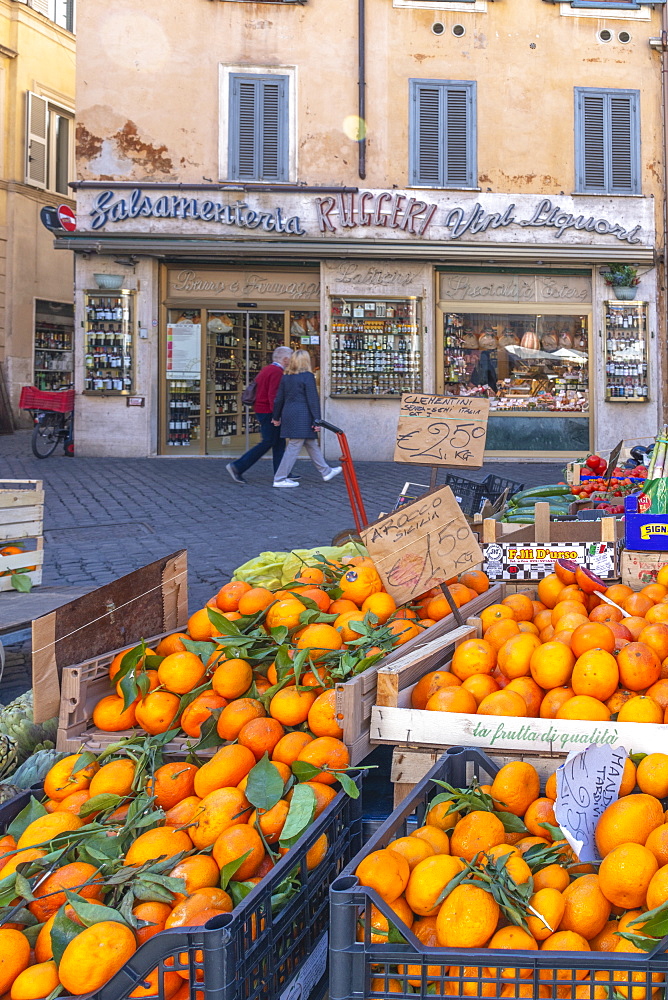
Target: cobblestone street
106,517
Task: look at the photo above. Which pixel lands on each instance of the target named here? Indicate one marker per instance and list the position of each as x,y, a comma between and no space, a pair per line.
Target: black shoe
235,475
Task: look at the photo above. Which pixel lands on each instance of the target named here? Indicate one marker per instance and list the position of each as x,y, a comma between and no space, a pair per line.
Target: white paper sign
587,783
183,350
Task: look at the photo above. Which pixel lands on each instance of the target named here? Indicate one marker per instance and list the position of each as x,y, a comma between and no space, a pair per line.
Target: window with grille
49,145
258,128
607,141
442,133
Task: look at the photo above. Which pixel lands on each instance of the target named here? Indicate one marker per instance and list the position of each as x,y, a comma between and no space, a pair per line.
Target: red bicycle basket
37,399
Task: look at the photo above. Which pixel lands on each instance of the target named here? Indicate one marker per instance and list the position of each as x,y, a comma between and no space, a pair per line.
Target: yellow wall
35,55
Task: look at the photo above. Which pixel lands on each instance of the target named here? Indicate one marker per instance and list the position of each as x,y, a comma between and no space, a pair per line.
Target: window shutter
258,132
457,137
622,143
593,141
37,124
427,165
607,142
442,134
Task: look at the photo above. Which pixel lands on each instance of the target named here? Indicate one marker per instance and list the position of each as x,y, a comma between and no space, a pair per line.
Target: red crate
36,399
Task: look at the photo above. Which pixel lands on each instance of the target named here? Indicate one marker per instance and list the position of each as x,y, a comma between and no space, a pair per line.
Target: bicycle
53,415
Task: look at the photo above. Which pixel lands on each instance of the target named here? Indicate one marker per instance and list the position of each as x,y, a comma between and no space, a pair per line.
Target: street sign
49,218
67,218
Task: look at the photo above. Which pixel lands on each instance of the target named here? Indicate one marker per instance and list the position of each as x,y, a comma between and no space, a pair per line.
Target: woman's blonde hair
299,362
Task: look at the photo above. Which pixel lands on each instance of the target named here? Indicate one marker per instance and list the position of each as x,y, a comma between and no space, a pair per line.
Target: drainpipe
361,97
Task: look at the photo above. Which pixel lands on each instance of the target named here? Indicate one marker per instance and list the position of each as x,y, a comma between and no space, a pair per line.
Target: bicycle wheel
45,438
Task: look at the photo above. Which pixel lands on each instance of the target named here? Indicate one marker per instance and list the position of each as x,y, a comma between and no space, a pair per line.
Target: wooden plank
30,512
14,532
32,557
34,575
22,498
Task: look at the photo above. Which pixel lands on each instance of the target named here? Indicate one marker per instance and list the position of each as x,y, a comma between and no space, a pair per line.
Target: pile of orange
567,655
197,826
569,906
340,618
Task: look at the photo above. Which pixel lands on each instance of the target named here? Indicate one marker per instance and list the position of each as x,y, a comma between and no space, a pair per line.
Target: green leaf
152,662
554,831
31,812
639,940
512,823
143,684
394,935
209,732
32,932
231,868
204,650
100,803
21,582
23,888
265,785
7,891
300,815
91,913
279,634
129,689
85,760
148,892
63,930
303,771
224,625
347,784
637,758
239,890
453,883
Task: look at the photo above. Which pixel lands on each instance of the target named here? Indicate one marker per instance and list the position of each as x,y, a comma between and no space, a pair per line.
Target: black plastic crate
410,969
495,486
469,495
252,953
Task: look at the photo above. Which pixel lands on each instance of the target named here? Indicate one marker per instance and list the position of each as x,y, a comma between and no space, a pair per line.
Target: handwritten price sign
586,785
422,545
442,430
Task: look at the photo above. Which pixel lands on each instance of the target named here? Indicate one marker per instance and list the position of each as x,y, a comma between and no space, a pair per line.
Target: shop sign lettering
248,284
461,287
107,208
388,210
373,277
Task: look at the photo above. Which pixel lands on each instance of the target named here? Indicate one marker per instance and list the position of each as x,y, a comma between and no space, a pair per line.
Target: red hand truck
350,477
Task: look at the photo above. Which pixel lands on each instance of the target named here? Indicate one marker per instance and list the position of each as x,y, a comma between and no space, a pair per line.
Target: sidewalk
106,517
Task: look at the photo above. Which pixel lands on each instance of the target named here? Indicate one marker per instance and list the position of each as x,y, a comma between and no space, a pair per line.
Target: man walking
267,381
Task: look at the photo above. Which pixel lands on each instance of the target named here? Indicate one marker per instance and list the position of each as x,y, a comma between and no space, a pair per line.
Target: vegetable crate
527,553
253,953
641,568
389,971
471,495
356,697
21,525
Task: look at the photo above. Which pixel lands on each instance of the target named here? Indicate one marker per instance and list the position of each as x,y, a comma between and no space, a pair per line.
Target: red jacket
267,380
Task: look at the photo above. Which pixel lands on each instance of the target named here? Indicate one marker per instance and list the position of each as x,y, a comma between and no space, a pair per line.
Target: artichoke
16,721
9,792
8,755
34,770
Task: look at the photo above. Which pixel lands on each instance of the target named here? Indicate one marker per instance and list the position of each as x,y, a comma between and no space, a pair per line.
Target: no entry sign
67,218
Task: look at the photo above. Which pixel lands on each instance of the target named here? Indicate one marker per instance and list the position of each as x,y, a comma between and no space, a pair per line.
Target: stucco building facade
425,194
37,56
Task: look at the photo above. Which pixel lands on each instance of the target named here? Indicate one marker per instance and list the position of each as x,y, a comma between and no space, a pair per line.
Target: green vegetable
525,516
555,489
274,569
557,498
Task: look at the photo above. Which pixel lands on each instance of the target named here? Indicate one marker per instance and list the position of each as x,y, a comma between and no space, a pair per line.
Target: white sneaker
332,472
286,482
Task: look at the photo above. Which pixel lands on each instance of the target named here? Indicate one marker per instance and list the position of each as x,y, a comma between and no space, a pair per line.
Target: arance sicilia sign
389,214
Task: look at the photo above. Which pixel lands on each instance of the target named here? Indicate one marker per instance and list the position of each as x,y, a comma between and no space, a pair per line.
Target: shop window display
376,347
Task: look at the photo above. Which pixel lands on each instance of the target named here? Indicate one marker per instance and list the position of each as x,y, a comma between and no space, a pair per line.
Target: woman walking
296,409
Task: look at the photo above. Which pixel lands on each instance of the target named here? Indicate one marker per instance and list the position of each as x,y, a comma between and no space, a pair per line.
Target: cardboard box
641,568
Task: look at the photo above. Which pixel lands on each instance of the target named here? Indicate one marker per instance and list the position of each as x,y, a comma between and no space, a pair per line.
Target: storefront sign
542,288
520,562
442,430
422,545
271,285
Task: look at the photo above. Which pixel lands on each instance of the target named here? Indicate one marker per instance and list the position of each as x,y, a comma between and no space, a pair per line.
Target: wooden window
607,141
442,133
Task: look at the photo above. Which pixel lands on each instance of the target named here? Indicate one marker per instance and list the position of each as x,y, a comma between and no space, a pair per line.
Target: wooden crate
21,520
641,568
356,697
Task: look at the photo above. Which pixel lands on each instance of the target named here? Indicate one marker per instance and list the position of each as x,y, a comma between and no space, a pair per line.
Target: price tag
442,430
614,458
587,783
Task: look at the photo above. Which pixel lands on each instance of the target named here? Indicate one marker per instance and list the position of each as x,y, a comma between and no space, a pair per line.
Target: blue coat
297,405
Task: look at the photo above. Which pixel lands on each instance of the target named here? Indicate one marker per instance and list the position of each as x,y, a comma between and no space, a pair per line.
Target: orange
183,812
516,785
569,622
659,692
14,956
476,580
441,817
218,810
157,712
254,600
652,775
324,794
606,940
386,872
625,875
320,640
618,592
403,631
657,614
339,606
289,747
503,703
480,685
327,752
514,657
630,819
656,637
553,701
511,938
233,843
641,709
639,666
657,890
467,918
286,612
291,707
38,980
149,984
584,707
46,827
380,925
438,608
414,849
595,672
543,619
382,605
521,606
662,576
200,627
619,698
549,589
77,876
637,604
322,599
564,941
162,842
473,656
95,955
198,711
475,832
235,716
492,614
261,736
10,866
623,978
499,633
427,880
115,777
528,627
552,877
461,594
181,672
563,608
551,664
452,699
605,613
586,908
115,664
171,783
437,839
232,678
359,583
430,684
198,872
73,804
634,624
540,811
311,574
172,644
572,592
228,597
110,716
210,900
226,768
322,716
628,777
272,821
594,635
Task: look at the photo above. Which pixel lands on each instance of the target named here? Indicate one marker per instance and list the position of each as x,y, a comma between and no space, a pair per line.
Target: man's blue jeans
271,438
